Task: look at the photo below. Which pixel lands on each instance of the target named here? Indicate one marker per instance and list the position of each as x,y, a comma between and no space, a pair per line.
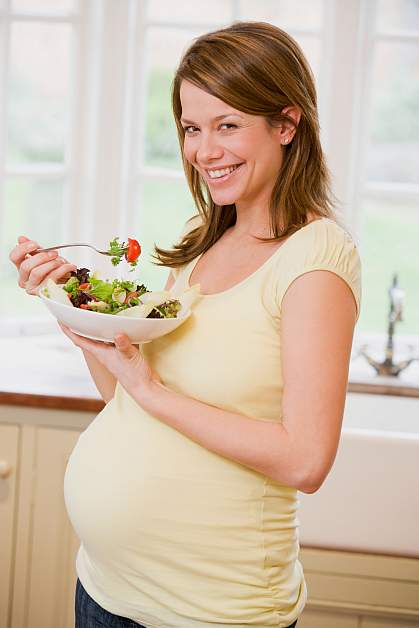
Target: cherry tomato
134,250
84,286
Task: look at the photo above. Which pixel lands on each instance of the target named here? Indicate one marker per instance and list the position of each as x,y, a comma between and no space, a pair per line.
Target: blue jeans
91,615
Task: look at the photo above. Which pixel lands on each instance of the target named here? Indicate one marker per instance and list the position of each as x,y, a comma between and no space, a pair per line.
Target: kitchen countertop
47,370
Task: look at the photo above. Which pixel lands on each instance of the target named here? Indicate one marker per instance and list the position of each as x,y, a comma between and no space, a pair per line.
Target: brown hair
259,69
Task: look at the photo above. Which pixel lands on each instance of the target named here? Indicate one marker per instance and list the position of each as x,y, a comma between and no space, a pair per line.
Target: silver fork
65,246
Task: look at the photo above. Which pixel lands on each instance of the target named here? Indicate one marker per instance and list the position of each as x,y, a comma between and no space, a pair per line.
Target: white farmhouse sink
370,500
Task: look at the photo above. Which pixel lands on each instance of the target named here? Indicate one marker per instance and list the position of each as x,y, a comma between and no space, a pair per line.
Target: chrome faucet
388,366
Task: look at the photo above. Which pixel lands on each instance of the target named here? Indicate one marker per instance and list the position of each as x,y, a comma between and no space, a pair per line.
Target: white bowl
99,326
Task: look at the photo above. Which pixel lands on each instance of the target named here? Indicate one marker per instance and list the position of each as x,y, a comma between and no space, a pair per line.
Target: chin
224,198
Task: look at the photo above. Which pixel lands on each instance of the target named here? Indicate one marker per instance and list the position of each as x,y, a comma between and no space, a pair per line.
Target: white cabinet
44,561
9,443
37,543
327,619
358,590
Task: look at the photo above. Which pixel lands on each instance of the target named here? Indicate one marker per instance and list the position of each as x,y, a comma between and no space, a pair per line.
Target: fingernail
52,254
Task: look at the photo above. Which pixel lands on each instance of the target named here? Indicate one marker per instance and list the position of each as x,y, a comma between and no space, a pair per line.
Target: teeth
215,174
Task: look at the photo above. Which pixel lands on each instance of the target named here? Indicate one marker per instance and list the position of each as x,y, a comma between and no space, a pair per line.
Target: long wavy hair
258,69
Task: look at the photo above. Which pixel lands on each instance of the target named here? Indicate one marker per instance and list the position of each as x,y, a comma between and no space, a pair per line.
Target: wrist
147,396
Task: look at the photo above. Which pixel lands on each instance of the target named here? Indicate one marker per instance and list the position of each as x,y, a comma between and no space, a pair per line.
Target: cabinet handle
5,469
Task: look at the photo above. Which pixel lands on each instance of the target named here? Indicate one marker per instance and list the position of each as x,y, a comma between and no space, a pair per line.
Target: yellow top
174,535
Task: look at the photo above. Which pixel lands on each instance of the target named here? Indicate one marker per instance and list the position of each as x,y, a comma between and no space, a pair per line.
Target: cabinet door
334,619
311,618
9,440
45,575
380,622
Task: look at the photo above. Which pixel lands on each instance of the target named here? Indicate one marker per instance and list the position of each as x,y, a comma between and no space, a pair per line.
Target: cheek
248,145
267,154
189,150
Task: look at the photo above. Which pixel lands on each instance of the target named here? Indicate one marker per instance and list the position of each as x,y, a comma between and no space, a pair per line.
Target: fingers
122,341
83,343
35,268
17,255
126,348
62,273
30,264
70,334
31,277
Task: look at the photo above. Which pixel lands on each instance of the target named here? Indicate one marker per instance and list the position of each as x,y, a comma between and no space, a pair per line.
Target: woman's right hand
34,270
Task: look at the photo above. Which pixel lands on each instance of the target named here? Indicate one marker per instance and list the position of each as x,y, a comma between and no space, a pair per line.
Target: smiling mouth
222,174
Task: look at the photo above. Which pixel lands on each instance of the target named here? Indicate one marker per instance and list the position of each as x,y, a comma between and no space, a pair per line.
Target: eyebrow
224,115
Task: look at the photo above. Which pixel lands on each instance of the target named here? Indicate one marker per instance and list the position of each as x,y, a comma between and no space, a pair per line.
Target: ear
287,130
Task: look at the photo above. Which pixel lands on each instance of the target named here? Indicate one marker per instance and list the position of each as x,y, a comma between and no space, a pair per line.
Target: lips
224,177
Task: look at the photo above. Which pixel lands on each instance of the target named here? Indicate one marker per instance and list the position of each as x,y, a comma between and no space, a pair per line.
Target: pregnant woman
183,490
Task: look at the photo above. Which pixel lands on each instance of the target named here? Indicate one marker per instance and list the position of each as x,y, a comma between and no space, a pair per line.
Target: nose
208,149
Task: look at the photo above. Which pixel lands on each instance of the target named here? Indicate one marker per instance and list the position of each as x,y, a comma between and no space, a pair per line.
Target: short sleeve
321,245
190,224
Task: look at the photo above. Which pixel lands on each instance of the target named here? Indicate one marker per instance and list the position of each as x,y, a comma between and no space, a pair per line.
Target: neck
254,222
251,222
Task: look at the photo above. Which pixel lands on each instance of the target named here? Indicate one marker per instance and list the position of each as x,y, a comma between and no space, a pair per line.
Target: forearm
264,446
105,382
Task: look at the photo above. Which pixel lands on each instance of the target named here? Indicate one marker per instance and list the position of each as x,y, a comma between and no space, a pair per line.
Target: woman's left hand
124,360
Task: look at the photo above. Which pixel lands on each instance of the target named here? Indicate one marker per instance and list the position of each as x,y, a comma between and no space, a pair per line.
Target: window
389,179
90,143
36,129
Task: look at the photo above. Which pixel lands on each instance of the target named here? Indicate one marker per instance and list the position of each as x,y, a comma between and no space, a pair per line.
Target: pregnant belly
139,492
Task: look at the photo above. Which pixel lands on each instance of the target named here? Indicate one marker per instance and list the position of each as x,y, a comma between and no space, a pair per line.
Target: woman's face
239,155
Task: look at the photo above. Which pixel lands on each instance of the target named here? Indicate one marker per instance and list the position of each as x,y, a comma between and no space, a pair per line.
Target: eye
189,129
229,124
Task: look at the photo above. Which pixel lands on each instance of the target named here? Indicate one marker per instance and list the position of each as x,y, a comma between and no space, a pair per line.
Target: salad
131,250
88,292
120,297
